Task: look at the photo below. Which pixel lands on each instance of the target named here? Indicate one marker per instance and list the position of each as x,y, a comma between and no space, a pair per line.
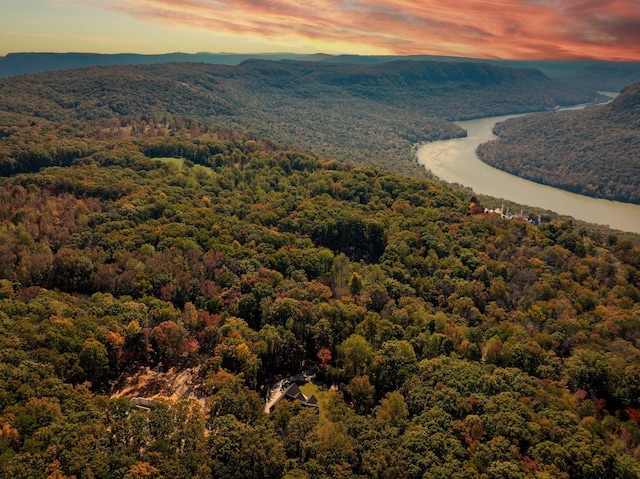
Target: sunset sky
527,29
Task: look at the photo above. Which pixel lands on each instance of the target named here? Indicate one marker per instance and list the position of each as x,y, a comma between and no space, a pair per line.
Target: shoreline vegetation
457,162
594,152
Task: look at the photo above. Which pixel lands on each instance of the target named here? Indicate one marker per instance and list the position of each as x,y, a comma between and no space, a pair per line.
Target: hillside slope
462,346
361,114
595,152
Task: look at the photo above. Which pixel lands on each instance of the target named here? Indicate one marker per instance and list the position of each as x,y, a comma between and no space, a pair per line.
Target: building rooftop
293,393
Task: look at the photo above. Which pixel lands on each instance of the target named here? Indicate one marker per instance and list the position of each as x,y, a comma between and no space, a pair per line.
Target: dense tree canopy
461,346
149,249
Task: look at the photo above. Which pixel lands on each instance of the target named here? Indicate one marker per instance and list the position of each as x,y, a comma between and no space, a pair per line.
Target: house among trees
292,394
142,403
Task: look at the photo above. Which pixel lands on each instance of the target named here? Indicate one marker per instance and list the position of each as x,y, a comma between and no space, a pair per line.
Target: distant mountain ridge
597,75
404,73
21,63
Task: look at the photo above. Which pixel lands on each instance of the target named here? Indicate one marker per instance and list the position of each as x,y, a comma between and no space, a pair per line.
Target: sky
520,29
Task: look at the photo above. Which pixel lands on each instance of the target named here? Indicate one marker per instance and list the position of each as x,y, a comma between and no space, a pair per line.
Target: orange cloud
527,29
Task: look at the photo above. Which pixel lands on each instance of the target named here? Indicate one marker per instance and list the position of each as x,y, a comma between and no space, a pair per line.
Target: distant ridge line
592,74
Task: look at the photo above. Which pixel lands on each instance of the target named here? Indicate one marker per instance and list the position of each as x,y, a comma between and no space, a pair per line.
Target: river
455,161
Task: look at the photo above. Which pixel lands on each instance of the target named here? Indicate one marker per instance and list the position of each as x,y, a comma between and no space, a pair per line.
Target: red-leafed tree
169,339
324,355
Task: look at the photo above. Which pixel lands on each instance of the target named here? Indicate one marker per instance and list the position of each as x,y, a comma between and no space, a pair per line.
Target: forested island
190,264
594,152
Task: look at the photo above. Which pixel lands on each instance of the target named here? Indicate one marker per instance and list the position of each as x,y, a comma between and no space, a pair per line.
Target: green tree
393,410
591,371
355,284
94,360
361,392
355,354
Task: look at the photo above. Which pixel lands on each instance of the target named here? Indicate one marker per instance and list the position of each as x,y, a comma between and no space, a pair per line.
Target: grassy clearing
321,393
175,161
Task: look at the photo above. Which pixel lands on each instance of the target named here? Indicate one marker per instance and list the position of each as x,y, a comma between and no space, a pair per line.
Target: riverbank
455,161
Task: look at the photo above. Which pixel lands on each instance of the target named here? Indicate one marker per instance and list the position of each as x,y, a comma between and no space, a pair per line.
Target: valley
358,114
456,161
177,239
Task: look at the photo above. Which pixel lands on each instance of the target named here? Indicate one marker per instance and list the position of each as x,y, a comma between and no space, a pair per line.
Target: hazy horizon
495,29
335,54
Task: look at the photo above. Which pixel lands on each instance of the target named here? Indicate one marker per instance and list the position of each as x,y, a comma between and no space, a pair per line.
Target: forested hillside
21,63
361,114
604,76
462,346
596,75
595,152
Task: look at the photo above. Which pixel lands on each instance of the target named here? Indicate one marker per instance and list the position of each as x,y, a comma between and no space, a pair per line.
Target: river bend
455,161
